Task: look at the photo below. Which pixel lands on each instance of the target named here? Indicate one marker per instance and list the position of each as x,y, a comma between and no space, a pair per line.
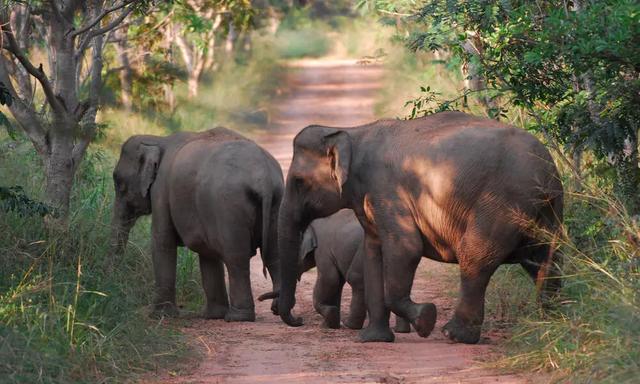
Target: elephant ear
307,246
339,153
149,160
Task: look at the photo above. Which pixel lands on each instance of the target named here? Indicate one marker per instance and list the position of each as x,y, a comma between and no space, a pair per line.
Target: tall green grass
594,334
70,311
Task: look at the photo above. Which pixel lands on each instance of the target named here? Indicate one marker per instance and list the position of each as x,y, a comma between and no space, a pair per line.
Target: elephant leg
479,258
327,294
215,289
357,309
402,325
401,259
241,298
164,256
543,268
378,327
466,324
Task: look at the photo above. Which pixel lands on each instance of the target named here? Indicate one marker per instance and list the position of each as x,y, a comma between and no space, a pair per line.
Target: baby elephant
335,245
216,193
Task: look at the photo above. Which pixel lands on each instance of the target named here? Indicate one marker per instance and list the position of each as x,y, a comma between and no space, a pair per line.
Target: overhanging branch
24,111
99,31
11,45
73,33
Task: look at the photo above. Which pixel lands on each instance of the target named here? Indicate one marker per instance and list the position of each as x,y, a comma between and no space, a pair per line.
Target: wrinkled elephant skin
216,193
451,187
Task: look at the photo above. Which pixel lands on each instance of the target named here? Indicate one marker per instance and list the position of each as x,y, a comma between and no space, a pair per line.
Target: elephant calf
216,193
335,246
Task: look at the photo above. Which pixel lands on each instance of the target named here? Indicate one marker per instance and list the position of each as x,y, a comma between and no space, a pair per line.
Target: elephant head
132,178
315,188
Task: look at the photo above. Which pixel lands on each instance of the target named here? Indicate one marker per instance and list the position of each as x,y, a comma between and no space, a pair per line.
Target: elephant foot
426,319
376,334
331,318
402,325
274,307
166,309
458,331
215,311
352,323
234,314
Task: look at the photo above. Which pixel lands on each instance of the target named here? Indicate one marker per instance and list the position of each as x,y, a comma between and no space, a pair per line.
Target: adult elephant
215,192
451,187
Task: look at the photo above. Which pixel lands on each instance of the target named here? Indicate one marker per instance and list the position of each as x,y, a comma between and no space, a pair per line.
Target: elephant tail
265,251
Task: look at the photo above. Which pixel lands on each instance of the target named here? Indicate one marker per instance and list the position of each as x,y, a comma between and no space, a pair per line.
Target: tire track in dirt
338,93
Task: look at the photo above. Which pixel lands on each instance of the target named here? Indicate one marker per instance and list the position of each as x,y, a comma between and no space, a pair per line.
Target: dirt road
267,351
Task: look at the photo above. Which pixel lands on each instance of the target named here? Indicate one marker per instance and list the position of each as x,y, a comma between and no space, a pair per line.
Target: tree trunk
192,83
628,185
126,73
167,89
59,172
62,135
473,79
230,41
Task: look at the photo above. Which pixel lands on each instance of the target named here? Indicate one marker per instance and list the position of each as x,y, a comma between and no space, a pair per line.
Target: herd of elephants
362,204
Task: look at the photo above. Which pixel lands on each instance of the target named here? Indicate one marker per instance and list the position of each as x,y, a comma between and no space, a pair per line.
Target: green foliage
299,35
300,43
14,199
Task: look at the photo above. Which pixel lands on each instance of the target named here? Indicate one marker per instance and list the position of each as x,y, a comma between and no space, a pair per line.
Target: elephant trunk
289,239
121,224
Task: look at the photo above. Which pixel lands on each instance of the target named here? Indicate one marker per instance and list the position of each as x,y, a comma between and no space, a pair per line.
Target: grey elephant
334,245
215,192
450,186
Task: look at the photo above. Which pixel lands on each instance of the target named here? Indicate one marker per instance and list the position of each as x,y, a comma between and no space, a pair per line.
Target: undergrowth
593,335
70,311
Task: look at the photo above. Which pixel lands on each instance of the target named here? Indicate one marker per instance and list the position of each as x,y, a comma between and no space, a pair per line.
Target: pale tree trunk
230,41
60,137
192,84
167,89
473,79
195,59
576,156
126,73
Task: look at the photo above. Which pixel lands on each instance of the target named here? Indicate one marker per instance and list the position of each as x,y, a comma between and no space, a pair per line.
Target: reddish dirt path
267,351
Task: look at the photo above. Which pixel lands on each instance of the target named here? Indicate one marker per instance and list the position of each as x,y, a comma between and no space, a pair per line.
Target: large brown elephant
451,187
215,192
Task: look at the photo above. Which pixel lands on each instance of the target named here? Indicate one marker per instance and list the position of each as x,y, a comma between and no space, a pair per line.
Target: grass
69,312
594,334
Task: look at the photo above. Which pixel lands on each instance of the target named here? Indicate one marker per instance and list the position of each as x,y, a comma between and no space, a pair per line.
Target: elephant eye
120,185
298,182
